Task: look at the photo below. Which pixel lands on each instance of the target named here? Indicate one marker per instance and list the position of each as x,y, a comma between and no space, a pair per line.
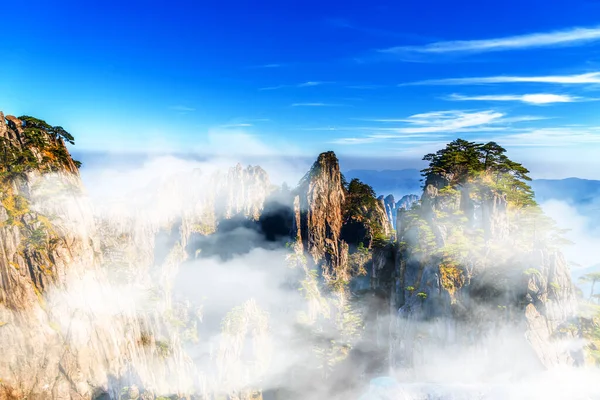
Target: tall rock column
321,200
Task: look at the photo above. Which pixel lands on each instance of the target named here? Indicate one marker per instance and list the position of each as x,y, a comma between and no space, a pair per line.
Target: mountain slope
109,301
477,255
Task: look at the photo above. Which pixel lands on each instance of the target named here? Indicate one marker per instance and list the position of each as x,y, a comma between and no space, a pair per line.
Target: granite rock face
87,307
392,207
73,274
320,201
46,239
471,269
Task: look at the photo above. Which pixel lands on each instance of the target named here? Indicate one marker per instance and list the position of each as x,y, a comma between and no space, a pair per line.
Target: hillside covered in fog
214,283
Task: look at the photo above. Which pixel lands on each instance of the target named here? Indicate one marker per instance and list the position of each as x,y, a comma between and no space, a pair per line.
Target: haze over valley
299,200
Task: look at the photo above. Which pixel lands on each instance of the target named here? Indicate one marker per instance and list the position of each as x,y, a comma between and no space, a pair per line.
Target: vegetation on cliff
34,145
470,189
589,317
462,163
364,218
477,222
29,147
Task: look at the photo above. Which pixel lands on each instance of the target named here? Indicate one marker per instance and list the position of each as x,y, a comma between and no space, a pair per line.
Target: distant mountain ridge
575,191
396,182
571,190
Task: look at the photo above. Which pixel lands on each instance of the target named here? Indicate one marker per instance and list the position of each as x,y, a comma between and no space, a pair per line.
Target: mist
216,311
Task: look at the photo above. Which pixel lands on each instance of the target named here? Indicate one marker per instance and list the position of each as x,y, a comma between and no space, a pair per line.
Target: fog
582,231
258,319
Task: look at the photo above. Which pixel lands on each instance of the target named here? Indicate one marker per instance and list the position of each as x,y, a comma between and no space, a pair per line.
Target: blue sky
370,79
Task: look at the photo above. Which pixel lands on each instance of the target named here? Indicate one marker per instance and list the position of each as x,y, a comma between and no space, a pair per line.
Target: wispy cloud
315,105
355,140
449,121
567,37
380,119
299,85
535,99
311,83
588,78
238,125
273,87
378,138
181,108
553,137
435,126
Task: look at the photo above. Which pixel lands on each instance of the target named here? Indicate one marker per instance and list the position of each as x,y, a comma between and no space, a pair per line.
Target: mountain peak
29,144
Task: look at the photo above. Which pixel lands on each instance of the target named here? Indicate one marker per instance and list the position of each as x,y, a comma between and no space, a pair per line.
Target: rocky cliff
475,263
73,275
45,222
46,239
334,217
88,307
392,207
320,201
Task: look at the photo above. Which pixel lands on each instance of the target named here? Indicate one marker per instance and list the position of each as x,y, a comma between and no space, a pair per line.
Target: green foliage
462,162
467,175
37,239
532,226
532,271
16,207
422,295
589,326
358,260
425,246
362,206
381,241
451,276
37,125
593,278
163,348
41,148
458,162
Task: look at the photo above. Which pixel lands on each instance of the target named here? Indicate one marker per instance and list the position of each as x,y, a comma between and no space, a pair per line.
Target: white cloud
568,37
553,137
588,78
438,126
538,98
299,85
406,138
310,83
273,87
239,125
357,140
449,121
586,238
431,125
